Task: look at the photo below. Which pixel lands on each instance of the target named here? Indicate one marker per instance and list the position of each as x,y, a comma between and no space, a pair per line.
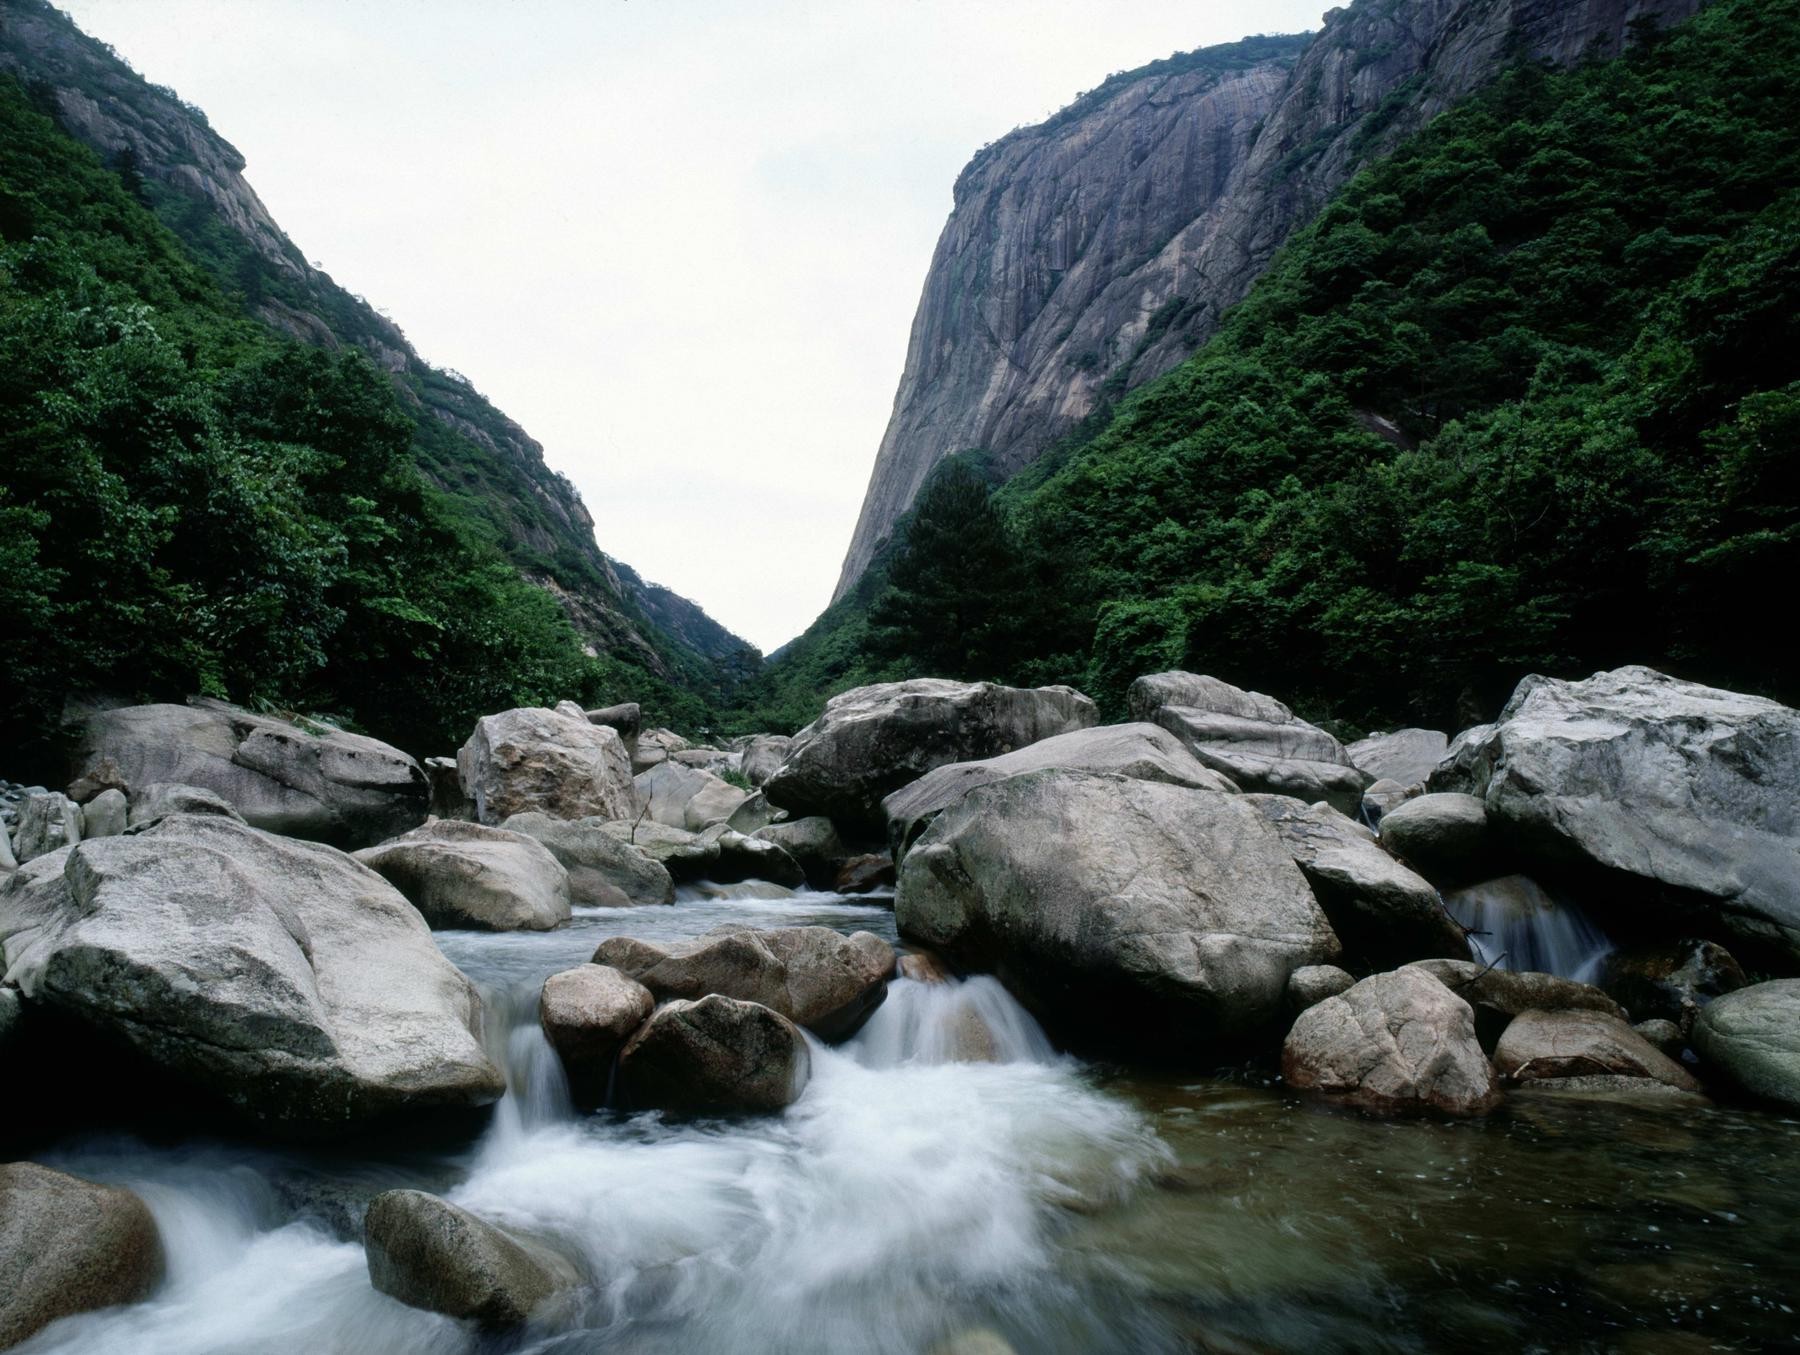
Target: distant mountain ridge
1096,251
467,448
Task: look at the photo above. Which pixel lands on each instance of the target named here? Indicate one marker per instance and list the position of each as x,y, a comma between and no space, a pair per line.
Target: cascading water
1515,924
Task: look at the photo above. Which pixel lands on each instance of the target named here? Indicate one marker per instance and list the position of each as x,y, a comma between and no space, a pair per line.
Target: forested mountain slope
1526,395
491,471
1091,254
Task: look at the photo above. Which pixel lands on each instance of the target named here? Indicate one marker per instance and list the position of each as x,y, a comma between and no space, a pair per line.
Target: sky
680,241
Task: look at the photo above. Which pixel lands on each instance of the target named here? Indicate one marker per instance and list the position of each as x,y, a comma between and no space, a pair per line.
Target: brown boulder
717,1056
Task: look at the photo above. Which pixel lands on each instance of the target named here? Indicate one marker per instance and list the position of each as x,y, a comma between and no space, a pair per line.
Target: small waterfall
957,1021
537,1089
1519,926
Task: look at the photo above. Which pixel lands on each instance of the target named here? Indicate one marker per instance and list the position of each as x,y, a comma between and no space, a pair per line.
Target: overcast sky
680,241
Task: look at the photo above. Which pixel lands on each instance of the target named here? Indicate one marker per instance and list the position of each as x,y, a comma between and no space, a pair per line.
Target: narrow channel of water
946,1172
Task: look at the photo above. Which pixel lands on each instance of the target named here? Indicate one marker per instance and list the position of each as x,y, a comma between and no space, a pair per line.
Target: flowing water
1515,924
947,1173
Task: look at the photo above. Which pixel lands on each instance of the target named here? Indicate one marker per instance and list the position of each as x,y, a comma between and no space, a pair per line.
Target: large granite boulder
815,976
448,799
745,857
871,741
1499,995
106,815
815,845
1135,915
69,1246
1678,796
48,822
1406,756
160,799
470,875
1394,1044
625,719
1445,836
1673,981
655,745
604,872
280,977
716,1056
680,796
1546,1046
299,778
1311,984
1251,738
431,1254
1752,1036
685,855
1142,751
761,756
588,1013
536,759
1383,913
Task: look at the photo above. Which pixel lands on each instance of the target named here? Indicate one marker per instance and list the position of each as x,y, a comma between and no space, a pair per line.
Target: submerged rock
470,875
299,778
279,976
1144,752
604,872
1154,918
815,976
873,740
69,1246
1753,1037
1540,1046
536,759
1394,1044
431,1254
1383,913
1251,738
588,1013
1677,795
717,1056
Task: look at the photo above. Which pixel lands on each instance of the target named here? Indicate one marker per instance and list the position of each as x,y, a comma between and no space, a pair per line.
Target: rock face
299,779
1145,752
1753,1037
280,977
1540,1046
873,740
1098,249
1124,913
469,875
603,871
1395,1044
1672,982
1445,835
69,1246
431,1254
717,1056
160,799
1683,796
1383,913
815,976
762,756
1407,756
1251,738
536,759
588,1013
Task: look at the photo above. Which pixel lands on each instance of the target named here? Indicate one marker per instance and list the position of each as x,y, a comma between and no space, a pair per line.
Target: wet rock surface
716,1056
461,874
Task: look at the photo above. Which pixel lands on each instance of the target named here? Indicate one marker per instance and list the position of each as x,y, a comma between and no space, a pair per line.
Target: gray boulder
750,858
536,759
1663,1035
431,1254
1752,1036
280,977
754,814
1383,913
762,755
1407,756
7,860
687,797
1499,995
1445,836
1540,1046
1672,981
1394,1044
1128,914
625,719
1311,984
654,746
873,740
1144,752
299,778
588,1013
1680,796
160,799
685,855
48,822
1251,738
815,976
448,799
1382,798
716,1056
469,875
69,1246
814,844
603,870
106,815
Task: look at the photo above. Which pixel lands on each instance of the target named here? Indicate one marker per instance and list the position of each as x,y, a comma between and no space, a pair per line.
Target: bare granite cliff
194,179
1092,253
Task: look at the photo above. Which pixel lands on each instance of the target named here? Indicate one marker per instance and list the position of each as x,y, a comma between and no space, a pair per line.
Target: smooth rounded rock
604,871
105,815
460,874
1540,1046
1445,836
1311,984
716,1056
1752,1036
588,1013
